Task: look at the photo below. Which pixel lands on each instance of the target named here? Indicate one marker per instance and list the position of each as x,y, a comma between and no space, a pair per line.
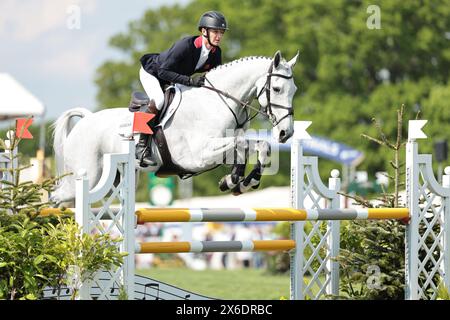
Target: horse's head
275,91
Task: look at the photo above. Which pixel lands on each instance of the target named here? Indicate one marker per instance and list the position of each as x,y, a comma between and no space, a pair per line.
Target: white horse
197,134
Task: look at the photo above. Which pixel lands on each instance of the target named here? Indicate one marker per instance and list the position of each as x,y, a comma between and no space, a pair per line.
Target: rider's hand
197,82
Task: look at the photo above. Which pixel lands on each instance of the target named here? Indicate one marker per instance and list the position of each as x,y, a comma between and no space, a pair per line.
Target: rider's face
215,36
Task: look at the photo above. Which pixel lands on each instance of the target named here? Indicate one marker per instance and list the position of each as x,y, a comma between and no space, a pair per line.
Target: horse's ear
276,59
293,61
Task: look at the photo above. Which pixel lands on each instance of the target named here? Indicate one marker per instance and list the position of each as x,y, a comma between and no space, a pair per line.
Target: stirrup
143,158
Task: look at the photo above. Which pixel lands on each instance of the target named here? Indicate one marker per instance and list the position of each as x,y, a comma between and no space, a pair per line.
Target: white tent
16,101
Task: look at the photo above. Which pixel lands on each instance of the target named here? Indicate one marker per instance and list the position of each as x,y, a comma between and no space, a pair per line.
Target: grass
243,284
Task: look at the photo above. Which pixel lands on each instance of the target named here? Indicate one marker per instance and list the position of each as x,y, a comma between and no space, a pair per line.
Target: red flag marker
140,122
22,125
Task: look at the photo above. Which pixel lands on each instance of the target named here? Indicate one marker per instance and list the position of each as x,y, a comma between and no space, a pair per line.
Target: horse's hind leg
64,194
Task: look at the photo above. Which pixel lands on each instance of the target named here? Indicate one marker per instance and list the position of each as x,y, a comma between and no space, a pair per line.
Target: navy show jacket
178,63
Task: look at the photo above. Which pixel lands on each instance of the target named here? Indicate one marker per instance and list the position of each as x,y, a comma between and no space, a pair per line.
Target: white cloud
27,19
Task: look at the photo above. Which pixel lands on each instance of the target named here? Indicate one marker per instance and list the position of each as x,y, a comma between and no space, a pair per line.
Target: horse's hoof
256,187
236,191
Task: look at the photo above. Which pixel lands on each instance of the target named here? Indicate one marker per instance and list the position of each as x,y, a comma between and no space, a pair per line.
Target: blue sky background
55,63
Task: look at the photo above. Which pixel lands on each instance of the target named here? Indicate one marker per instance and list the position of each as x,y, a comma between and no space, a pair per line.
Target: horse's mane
231,63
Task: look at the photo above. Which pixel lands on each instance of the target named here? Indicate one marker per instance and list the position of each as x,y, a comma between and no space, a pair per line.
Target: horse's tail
61,128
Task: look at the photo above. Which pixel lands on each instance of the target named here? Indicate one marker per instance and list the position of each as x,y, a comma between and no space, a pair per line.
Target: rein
267,110
241,103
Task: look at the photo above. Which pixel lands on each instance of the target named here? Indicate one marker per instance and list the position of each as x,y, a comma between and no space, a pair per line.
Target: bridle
266,110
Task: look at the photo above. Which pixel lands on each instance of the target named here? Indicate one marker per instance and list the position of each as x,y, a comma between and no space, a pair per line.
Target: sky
53,47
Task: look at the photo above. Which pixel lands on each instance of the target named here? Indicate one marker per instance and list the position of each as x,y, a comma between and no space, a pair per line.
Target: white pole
82,218
446,225
296,261
297,202
334,183
412,200
129,219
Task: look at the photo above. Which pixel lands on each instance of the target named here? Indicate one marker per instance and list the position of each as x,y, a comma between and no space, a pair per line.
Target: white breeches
152,87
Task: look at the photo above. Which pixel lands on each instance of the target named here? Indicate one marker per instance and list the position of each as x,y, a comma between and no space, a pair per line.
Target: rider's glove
197,82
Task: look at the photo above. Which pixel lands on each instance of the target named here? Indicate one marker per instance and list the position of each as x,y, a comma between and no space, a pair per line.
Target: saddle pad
172,108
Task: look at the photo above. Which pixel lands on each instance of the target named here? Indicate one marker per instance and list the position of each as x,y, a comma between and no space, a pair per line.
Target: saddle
139,102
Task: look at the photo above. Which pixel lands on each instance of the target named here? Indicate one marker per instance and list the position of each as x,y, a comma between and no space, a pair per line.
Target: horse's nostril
282,133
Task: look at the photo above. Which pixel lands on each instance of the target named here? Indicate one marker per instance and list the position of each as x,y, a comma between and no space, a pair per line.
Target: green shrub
38,252
35,255
372,260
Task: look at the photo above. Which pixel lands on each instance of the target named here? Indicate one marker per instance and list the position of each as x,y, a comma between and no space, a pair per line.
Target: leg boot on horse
143,147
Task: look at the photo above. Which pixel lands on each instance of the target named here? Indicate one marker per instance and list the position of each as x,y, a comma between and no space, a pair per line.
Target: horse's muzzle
284,136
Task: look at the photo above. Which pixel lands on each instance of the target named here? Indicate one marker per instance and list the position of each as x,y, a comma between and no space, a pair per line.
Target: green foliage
338,51
443,293
24,261
88,253
372,260
372,256
37,252
21,196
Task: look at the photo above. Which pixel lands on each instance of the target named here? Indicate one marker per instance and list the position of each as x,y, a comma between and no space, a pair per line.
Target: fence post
334,183
412,202
446,223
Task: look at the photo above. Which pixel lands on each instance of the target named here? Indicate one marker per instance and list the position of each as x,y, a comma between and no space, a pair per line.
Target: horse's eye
276,89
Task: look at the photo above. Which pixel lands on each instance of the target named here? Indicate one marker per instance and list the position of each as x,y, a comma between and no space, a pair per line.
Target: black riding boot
144,146
143,151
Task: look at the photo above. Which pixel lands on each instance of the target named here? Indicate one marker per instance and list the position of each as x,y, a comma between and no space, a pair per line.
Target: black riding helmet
213,20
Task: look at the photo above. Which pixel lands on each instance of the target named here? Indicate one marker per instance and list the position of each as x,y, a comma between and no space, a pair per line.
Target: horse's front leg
252,180
230,181
239,159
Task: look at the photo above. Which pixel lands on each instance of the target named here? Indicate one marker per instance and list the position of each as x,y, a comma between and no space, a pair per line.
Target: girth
168,168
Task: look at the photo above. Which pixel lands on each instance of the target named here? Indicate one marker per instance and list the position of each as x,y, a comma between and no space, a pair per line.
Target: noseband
268,108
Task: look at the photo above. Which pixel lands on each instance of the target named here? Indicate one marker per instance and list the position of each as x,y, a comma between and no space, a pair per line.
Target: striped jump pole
215,246
146,215
265,214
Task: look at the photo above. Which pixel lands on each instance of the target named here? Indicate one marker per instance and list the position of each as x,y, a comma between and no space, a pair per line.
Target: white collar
204,48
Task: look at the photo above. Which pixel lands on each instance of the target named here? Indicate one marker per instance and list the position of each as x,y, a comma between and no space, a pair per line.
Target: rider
177,65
